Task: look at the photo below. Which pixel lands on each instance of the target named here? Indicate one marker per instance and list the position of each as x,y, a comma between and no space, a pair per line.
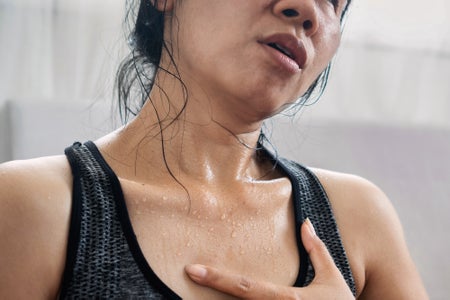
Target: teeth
281,49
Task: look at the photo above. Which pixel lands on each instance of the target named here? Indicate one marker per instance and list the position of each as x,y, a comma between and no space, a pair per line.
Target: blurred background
385,114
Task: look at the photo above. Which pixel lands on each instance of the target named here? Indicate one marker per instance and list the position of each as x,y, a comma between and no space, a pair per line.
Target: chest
255,241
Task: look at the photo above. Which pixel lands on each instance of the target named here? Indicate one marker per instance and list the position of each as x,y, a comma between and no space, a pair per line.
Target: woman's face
253,55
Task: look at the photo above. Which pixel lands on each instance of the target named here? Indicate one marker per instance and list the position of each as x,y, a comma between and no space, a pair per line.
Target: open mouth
291,48
281,49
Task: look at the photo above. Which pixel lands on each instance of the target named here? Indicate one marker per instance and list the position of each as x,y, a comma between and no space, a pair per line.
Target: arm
391,273
33,229
373,237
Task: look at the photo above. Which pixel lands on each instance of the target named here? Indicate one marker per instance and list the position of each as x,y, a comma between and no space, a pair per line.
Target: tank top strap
99,261
311,201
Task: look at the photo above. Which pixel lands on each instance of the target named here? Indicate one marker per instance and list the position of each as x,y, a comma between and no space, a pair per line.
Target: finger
232,284
320,257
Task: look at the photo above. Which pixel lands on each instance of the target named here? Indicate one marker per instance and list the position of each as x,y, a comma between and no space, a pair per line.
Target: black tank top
104,259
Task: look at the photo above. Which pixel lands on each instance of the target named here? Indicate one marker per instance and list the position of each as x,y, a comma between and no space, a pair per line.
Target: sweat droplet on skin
268,250
233,234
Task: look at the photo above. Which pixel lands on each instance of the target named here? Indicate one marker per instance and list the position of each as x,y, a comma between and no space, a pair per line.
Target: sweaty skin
237,217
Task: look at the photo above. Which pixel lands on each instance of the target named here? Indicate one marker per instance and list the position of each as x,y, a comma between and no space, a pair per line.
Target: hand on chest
254,238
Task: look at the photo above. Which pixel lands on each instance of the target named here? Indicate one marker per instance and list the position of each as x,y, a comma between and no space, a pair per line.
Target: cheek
325,48
198,43
331,40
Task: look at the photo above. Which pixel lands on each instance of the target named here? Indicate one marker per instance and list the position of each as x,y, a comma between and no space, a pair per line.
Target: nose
301,12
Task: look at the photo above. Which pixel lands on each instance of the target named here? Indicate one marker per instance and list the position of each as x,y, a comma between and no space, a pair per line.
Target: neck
190,139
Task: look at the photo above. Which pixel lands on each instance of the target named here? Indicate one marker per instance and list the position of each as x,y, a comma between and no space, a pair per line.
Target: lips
289,46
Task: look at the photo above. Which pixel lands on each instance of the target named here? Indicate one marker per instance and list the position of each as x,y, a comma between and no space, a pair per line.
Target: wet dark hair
138,70
136,74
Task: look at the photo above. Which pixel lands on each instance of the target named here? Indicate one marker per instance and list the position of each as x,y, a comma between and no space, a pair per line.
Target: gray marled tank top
104,259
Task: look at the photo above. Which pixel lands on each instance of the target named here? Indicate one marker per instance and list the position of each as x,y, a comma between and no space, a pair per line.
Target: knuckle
245,285
211,276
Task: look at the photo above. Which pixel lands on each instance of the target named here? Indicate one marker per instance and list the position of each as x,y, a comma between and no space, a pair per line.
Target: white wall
393,65
411,24
59,50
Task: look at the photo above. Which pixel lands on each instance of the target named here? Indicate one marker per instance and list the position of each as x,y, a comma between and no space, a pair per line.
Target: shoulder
373,237
35,203
362,210
35,168
352,195
34,181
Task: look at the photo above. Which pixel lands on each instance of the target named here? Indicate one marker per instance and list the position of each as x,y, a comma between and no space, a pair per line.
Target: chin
275,104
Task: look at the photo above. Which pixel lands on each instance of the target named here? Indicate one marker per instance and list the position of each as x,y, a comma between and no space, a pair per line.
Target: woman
185,200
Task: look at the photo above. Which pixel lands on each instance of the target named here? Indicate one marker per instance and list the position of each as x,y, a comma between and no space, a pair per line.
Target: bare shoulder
373,237
34,181
343,185
49,166
35,203
355,199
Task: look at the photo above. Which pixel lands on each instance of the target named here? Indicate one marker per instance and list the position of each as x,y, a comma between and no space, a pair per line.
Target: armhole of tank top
75,222
127,227
316,181
286,166
299,219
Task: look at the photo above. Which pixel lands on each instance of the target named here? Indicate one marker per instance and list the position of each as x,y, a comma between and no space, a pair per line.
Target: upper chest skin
251,234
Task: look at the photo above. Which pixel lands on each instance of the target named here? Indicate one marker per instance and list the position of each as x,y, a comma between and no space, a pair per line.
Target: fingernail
197,271
312,231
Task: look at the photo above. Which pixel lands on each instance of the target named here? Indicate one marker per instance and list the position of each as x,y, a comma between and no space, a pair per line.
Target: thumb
320,257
